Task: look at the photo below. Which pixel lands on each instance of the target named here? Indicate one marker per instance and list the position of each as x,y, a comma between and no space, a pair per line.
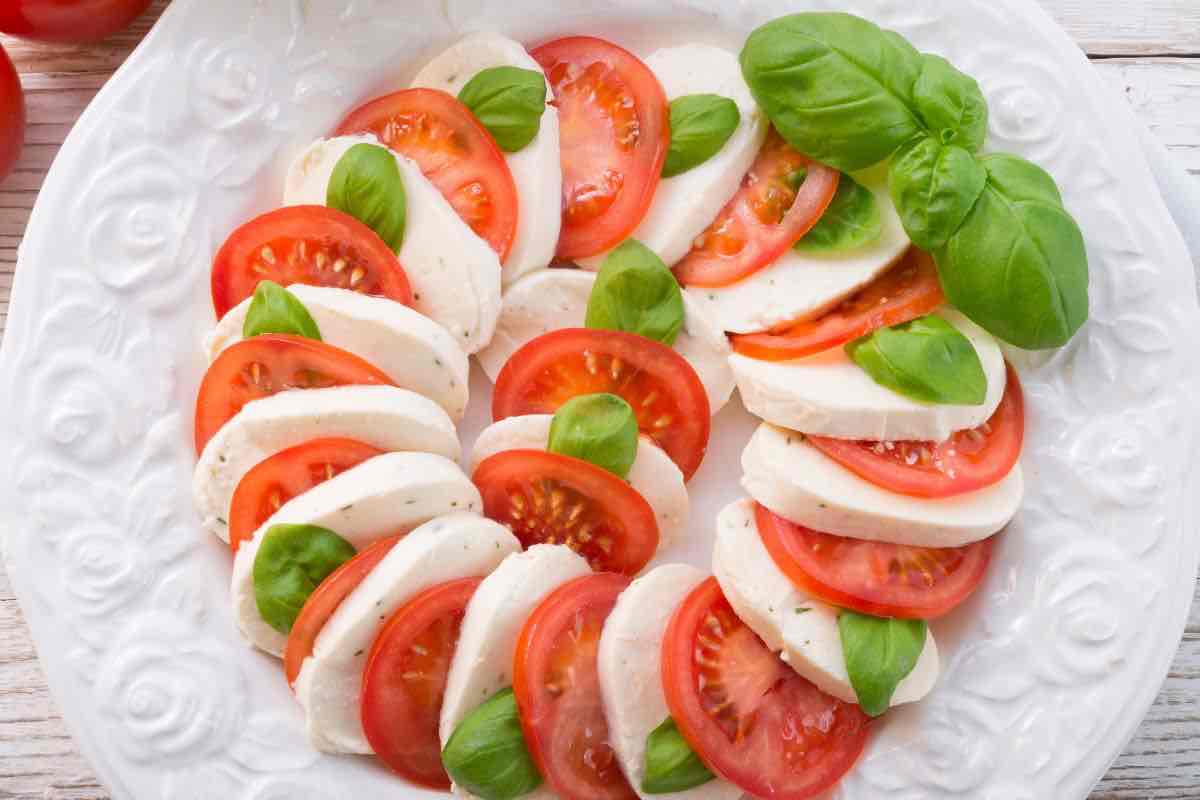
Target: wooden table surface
1148,50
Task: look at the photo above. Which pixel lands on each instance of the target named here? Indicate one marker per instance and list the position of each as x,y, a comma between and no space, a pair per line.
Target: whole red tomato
12,115
68,20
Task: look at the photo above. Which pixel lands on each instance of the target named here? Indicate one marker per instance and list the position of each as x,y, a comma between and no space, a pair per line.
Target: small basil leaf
671,764
487,756
700,126
291,562
926,359
509,102
951,104
851,221
276,310
599,428
934,187
366,184
879,654
636,293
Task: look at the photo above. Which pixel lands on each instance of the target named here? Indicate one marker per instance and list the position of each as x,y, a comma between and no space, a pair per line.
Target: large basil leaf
951,104
671,764
276,310
879,654
934,187
290,564
599,428
366,184
509,102
636,293
486,755
926,359
851,221
700,126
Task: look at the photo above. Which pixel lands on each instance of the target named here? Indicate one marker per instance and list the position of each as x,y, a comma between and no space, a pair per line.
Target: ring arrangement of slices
621,242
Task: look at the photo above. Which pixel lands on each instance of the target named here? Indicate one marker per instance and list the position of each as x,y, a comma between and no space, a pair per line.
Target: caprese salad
621,242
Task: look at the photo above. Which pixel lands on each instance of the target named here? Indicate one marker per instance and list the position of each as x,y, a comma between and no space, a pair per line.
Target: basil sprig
487,756
700,126
290,564
366,184
852,220
926,359
599,428
509,102
671,764
636,293
879,653
276,310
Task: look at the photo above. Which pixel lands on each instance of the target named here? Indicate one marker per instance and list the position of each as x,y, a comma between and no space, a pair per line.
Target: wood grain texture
1149,50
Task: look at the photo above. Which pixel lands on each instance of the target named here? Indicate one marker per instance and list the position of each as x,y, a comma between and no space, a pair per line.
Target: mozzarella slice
685,204
653,474
413,350
329,686
829,395
630,667
455,275
803,631
535,168
382,416
800,483
557,298
383,496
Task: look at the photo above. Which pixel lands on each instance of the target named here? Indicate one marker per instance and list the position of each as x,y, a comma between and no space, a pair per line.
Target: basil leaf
636,293
951,104
879,653
926,359
700,126
276,310
509,102
836,87
366,184
934,187
291,563
599,428
1017,266
487,756
851,221
671,764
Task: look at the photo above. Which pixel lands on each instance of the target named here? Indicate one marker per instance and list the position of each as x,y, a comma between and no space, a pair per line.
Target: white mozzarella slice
653,475
383,496
381,416
685,204
557,298
803,631
535,168
630,667
413,350
329,686
455,275
800,483
829,395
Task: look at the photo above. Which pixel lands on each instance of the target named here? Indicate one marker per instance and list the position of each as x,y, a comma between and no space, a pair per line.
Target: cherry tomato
71,21
750,717
661,386
614,131
12,115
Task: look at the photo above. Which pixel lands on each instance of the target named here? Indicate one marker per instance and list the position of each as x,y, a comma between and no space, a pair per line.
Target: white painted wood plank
1131,27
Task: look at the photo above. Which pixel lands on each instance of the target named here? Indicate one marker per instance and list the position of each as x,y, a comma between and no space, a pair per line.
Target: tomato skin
12,115
612,156
68,21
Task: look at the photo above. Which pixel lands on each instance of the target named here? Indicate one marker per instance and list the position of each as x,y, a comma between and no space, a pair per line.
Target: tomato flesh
12,115
751,718
69,21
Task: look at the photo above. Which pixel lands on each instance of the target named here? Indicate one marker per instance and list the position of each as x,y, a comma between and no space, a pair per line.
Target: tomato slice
325,599
614,131
12,115
453,150
405,678
279,478
557,686
771,211
661,386
265,365
68,21
877,578
908,290
314,245
555,499
750,717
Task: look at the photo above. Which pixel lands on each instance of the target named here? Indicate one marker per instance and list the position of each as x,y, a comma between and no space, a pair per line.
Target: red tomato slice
614,131
557,686
455,152
268,364
325,599
769,214
550,498
12,115
967,461
315,245
71,21
405,678
275,480
908,290
661,386
877,578
749,716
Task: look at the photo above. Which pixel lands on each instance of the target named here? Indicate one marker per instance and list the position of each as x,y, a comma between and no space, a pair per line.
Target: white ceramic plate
1047,671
